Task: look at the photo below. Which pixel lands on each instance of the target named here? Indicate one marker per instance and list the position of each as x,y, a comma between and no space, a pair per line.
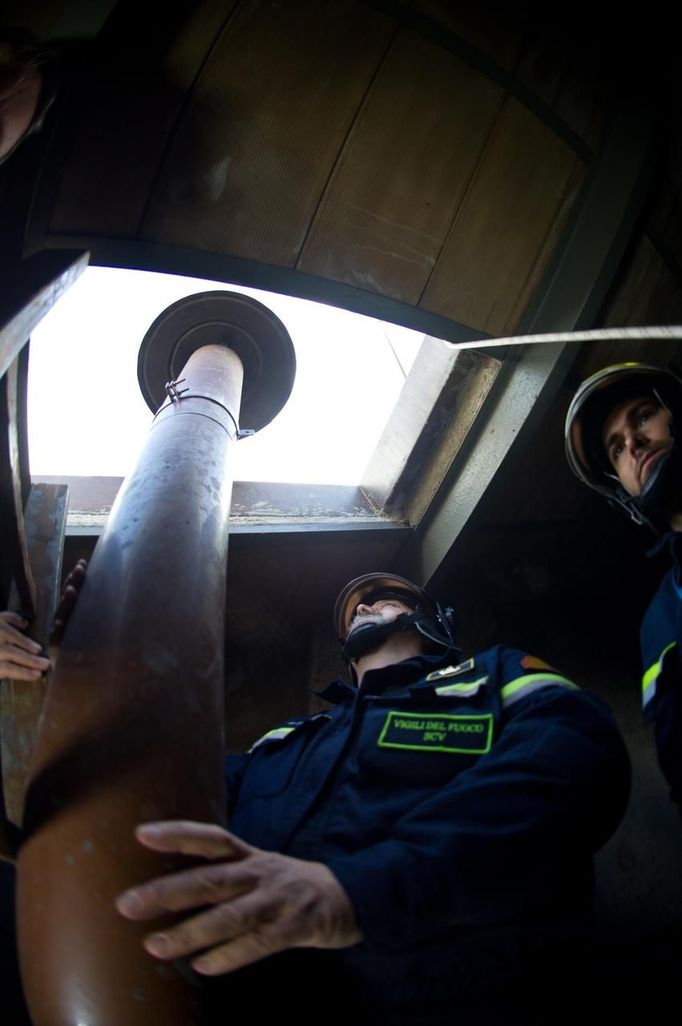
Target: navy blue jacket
458,806
661,640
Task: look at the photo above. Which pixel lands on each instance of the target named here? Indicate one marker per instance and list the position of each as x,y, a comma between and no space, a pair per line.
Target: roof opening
87,416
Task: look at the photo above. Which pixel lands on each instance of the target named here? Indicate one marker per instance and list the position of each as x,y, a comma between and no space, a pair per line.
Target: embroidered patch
529,662
436,732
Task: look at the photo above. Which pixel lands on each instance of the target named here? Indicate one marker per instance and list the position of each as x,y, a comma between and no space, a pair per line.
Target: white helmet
585,450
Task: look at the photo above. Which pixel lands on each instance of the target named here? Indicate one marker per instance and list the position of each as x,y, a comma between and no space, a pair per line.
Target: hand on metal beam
262,902
20,657
70,591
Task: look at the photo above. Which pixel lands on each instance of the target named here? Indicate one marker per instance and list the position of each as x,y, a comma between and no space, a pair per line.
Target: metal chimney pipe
132,728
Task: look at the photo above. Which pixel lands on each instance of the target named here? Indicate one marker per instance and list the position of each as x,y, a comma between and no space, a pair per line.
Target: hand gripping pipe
132,728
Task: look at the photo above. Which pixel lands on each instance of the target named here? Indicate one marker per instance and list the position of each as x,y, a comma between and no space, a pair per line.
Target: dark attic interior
474,172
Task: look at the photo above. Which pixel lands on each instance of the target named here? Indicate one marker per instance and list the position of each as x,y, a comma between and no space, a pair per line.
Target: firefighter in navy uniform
622,433
421,852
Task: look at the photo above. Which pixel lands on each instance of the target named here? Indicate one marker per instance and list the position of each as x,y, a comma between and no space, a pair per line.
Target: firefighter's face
636,436
382,611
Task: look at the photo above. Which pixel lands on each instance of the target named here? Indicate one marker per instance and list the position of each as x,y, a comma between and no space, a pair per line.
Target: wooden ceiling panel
552,71
266,121
498,34
497,245
403,172
122,123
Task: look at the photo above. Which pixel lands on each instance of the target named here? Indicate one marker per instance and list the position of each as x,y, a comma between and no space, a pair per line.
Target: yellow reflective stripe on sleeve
652,674
523,686
272,735
471,687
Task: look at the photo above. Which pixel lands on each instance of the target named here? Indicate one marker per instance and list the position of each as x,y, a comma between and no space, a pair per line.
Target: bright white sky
86,415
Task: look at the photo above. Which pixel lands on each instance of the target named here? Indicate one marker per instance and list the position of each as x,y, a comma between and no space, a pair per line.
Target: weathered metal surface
433,365
256,506
525,387
133,725
445,437
17,566
21,701
439,401
28,291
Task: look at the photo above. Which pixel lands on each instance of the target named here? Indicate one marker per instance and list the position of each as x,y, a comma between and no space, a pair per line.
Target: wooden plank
264,126
546,250
21,701
562,73
404,171
141,71
28,291
525,183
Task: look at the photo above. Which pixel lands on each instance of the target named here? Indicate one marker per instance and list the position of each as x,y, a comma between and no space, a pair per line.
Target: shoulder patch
533,663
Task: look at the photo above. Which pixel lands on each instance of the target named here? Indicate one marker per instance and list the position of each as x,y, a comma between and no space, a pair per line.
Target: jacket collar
375,682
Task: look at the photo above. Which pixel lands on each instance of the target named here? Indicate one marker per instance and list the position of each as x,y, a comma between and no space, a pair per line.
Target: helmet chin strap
651,506
368,636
